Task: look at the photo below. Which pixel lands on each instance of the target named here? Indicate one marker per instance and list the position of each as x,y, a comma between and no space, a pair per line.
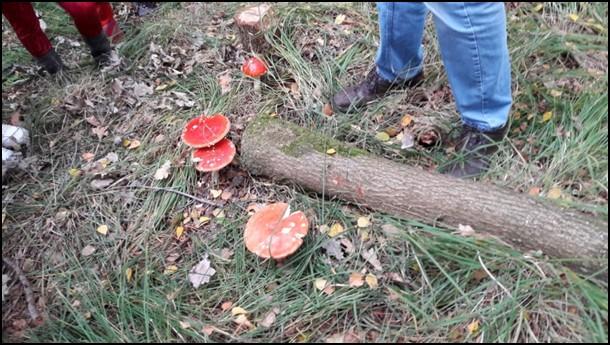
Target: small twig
177,192
29,295
492,277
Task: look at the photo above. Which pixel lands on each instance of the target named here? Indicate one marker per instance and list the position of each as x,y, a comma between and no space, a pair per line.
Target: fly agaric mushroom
255,68
215,157
273,232
205,131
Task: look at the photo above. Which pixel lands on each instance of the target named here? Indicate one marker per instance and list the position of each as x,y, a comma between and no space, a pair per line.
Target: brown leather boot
476,148
371,88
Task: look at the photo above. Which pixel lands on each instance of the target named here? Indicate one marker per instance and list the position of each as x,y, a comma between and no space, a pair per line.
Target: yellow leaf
242,320
473,327
218,213
215,192
126,142
363,222
406,120
555,93
238,311
170,269
134,144
128,274
273,114
382,136
179,231
371,281
320,284
102,229
554,193
335,230
538,8
547,116
356,279
364,235
340,19
74,172
185,324
204,219
574,17
331,151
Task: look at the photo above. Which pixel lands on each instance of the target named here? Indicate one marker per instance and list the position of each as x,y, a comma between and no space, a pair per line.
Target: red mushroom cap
274,233
215,157
205,131
254,67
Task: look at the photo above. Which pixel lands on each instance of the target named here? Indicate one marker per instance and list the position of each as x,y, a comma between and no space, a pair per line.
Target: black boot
371,88
100,48
51,62
476,148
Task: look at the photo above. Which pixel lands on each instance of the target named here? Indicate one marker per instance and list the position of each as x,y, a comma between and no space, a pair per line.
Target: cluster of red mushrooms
272,232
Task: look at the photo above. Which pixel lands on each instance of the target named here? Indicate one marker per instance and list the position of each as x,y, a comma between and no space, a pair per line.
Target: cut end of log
252,22
251,16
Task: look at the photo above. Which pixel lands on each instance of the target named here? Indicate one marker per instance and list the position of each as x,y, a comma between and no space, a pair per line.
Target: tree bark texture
288,153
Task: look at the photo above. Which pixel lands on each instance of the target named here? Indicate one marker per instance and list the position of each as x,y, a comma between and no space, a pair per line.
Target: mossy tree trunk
288,153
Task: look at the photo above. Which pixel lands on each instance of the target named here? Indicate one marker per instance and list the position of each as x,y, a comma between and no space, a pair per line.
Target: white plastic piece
13,137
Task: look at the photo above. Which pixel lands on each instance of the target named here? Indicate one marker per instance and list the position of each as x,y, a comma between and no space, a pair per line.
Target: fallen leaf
382,136
218,213
208,330
538,8
159,138
390,230
331,151
134,144
5,280
242,320
465,230
88,250
392,131
349,246
100,132
333,248
226,253
185,324
327,109
226,305
142,89
171,269
371,257
547,116
479,275
215,193
238,311
340,19
224,80
126,142
335,339
473,327
356,279
100,184
573,17
320,284
128,274
102,229
74,172
335,229
294,89
163,172
201,273
534,191
179,231
226,195
555,93
88,156
408,139
269,318
93,121
363,222
324,228
371,281
554,193
364,235
204,219
406,120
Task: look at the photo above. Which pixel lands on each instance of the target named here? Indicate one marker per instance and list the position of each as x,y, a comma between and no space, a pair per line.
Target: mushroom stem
257,85
214,180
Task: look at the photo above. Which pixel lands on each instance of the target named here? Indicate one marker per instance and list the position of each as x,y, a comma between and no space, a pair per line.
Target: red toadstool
205,131
215,157
254,67
273,232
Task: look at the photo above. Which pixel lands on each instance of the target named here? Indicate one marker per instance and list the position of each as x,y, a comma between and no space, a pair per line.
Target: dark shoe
371,88
144,8
51,62
476,148
100,48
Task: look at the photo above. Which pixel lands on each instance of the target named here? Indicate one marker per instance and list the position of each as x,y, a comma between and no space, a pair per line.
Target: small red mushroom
205,131
214,158
273,232
254,67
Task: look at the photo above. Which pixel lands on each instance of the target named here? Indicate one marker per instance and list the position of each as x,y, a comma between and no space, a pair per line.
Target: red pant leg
104,9
22,18
85,16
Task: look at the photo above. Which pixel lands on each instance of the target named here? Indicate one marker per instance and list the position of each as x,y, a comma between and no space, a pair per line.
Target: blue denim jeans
473,42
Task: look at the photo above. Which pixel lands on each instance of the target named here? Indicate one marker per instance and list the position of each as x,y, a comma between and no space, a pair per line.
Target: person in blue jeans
473,43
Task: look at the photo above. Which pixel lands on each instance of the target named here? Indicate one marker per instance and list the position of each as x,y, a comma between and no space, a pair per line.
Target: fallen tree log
288,153
252,22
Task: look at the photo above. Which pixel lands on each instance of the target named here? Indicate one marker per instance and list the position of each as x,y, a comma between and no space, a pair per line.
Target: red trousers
89,18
